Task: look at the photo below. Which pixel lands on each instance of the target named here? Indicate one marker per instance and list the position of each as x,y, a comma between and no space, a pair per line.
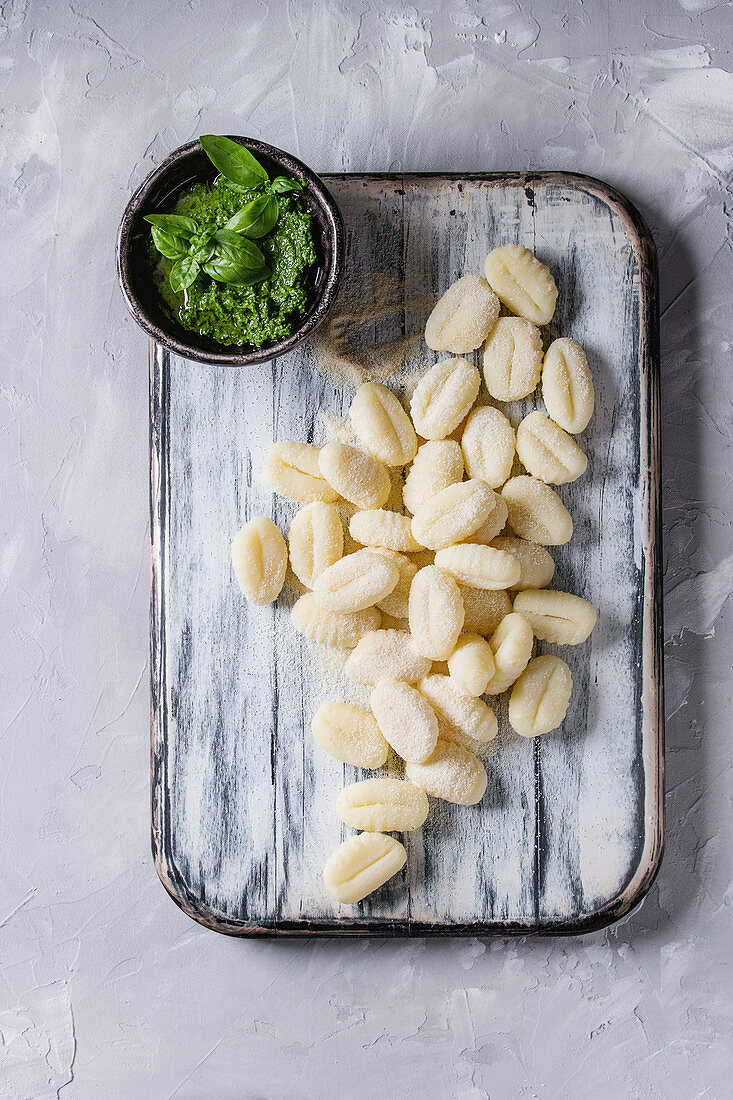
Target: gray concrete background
106,989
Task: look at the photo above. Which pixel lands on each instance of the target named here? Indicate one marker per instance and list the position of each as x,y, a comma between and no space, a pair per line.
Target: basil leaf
183,273
169,246
242,251
225,271
202,247
283,184
234,161
175,224
256,218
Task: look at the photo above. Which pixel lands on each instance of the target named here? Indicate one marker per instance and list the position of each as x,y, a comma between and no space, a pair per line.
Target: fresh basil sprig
229,254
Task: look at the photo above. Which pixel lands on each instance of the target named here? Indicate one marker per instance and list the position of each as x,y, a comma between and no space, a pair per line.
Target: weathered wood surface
569,834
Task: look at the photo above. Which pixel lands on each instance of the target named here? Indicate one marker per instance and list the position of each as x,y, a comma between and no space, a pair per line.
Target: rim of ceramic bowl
326,293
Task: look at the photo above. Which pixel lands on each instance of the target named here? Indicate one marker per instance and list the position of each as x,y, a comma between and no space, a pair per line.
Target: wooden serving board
569,834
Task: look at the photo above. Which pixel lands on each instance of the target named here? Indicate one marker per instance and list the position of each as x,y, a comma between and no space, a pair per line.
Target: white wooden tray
569,835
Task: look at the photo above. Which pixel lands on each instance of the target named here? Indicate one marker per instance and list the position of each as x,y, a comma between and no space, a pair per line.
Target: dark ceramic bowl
159,194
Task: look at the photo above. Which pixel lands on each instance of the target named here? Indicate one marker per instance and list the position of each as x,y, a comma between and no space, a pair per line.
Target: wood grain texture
570,832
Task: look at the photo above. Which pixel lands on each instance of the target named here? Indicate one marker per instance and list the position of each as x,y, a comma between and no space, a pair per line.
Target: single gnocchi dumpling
316,540
523,284
512,359
453,514
479,566
511,643
436,613
260,560
461,718
488,446
361,865
471,665
358,581
380,527
540,698
463,317
452,773
483,609
292,470
558,617
386,654
355,476
536,511
438,464
396,603
567,385
342,631
382,426
536,565
405,718
349,734
547,451
443,397
383,805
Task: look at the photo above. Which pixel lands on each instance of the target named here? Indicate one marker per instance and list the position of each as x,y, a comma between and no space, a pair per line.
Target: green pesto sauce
259,314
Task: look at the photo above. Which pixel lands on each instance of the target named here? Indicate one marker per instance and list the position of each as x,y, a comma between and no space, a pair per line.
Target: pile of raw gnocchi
437,576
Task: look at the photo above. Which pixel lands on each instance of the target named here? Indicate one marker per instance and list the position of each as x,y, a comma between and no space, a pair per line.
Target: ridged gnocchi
354,475
361,865
452,773
260,560
355,582
471,665
558,617
436,612
547,451
536,511
480,566
406,719
536,565
567,385
349,734
463,317
488,443
512,359
511,644
438,464
382,426
386,654
461,718
341,631
379,527
453,514
540,697
443,397
383,805
315,541
292,471
523,284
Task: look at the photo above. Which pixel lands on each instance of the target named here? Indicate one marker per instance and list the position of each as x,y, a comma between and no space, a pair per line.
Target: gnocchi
436,613
452,773
488,446
292,470
316,540
471,665
463,317
355,476
511,643
547,451
382,426
536,565
443,397
361,865
461,718
512,358
386,654
349,734
453,514
557,617
540,697
567,385
494,525
355,582
379,527
383,805
406,719
536,511
342,631
479,566
483,609
523,284
260,560
438,464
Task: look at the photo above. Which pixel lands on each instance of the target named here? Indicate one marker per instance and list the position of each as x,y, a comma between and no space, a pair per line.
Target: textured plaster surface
106,989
